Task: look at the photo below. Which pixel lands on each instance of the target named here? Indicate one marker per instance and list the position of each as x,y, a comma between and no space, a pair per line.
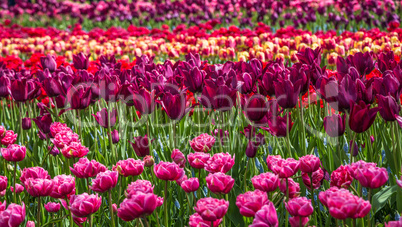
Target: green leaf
382,197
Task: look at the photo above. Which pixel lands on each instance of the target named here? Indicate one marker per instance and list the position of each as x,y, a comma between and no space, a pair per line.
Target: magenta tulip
30,224
219,183
141,145
295,221
198,160
267,182
266,216
190,185
86,169
317,177
139,205
13,153
178,158
334,125
3,206
63,185
372,177
65,138
49,62
309,163
211,209
102,117
19,189
57,127
52,207
3,183
105,181
74,150
341,177
251,202
129,167
35,173
13,216
220,162
202,143
285,168
300,207
137,186
9,138
148,161
197,221
115,136
39,187
292,187
84,205
168,171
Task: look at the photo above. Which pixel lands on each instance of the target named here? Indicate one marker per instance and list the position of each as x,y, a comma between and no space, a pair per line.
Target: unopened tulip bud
26,123
115,137
149,161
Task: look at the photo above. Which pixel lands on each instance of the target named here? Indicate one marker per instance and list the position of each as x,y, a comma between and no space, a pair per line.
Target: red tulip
251,202
219,183
211,209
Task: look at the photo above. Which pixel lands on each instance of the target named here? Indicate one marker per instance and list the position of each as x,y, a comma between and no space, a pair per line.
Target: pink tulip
198,160
168,171
19,187
190,185
14,153
52,207
2,132
399,182
197,221
63,185
211,209
74,150
30,224
267,182
3,193
272,160
341,177
9,138
143,186
13,216
309,163
202,143
219,183
105,181
394,223
182,178
353,167
372,177
178,158
149,161
39,187
139,205
251,202
295,221
317,176
114,207
83,205
3,183
86,169
300,206
285,168
65,138
129,167
57,127
3,206
78,221
35,173
294,187
266,216
220,162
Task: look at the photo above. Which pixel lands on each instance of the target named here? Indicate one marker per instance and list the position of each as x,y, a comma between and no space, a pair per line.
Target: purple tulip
255,108
26,123
334,125
287,93
218,96
389,108
81,61
22,90
175,106
79,97
143,100
4,84
52,86
141,145
194,79
49,62
361,116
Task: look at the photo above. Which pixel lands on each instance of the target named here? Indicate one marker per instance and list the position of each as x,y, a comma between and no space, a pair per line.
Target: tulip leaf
382,197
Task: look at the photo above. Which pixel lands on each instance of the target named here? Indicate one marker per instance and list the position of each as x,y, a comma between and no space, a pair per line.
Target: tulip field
201,113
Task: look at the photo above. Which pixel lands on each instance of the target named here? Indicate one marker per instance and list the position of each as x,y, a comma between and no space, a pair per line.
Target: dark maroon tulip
43,123
144,101
255,108
79,97
60,101
334,125
355,148
194,79
347,93
22,90
266,84
109,87
52,87
115,136
26,123
309,56
388,84
141,145
175,106
102,117
298,72
218,96
245,83
386,61
49,62
4,84
364,91
287,93
361,116
388,107
252,146
327,88
277,126
363,62
81,61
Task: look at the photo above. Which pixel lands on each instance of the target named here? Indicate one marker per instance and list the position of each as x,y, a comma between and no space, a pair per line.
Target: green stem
89,192
245,176
20,122
39,205
69,212
288,133
146,222
165,205
15,181
369,199
111,207
287,199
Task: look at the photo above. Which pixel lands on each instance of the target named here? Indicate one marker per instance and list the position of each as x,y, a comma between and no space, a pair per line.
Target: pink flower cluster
67,141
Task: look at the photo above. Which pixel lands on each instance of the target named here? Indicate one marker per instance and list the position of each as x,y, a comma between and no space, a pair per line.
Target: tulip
129,167
251,202
277,125
139,205
3,183
149,161
79,97
105,181
317,177
353,167
65,138
394,223
292,187
175,105
183,177
102,117
52,87
168,171
4,85
92,204
9,138
371,177
22,90
267,182
194,79
43,122
198,160
143,100
285,168
202,143
109,86
299,207
49,62
267,83
39,187
272,160
34,173
219,183
178,158
2,132
81,61
197,221
14,215
57,127
255,108
361,116
219,97
19,188
52,207
334,125
341,177
115,136
220,162
309,163
30,224
14,153
141,145
3,206
74,150
190,185
266,216
295,221
211,209
26,123
86,169
63,185
139,186
287,93
389,108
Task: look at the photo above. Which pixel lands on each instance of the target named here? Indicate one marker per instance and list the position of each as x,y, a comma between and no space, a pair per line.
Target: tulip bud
115,136
149,161
26,123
